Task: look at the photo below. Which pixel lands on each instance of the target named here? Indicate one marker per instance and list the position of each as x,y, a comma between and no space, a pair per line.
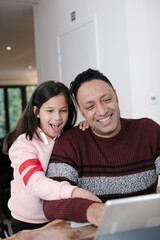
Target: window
2,113
13,100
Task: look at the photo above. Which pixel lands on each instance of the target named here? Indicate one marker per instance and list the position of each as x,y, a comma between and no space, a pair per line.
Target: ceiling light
29,67
8,48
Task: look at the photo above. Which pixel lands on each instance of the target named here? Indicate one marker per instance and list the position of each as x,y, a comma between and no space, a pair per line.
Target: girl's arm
82,193
30,173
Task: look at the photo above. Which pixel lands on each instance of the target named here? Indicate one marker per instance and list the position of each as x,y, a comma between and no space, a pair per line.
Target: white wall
128,46
143,21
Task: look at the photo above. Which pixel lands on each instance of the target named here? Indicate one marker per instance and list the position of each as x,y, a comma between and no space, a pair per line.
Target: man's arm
71,209
94,213
74,209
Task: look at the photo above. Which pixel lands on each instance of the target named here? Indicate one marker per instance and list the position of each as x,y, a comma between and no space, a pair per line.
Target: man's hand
94,213
82,193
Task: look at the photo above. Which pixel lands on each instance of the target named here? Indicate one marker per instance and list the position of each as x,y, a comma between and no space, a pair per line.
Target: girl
49,111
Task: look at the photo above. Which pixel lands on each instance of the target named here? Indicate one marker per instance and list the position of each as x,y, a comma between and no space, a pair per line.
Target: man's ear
116,95
34,111
79,110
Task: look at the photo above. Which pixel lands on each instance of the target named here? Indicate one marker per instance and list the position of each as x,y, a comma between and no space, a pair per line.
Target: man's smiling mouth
104,119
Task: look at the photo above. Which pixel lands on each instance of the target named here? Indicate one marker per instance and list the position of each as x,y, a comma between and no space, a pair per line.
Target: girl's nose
56,115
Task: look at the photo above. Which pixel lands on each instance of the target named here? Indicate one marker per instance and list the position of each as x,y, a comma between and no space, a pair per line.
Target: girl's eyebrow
54,107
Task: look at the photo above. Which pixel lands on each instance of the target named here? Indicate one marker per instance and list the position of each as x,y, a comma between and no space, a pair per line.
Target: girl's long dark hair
29,122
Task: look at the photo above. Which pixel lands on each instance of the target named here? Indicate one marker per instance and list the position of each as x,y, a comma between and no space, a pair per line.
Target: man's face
98,103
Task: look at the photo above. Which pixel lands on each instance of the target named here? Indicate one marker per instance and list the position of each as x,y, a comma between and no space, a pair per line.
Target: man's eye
90,107
107,100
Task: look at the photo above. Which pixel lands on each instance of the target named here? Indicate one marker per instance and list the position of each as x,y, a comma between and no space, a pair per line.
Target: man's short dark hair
86,76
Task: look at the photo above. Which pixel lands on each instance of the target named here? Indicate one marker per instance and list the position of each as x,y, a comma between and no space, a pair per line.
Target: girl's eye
64,110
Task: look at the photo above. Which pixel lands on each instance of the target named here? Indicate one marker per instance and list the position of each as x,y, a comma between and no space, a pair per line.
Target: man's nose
100,109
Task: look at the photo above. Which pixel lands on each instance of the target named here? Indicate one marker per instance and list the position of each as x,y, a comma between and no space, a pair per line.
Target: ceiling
17,66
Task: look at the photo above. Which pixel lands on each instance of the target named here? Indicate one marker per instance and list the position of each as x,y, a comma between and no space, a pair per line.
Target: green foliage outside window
29,91
15,106
16,101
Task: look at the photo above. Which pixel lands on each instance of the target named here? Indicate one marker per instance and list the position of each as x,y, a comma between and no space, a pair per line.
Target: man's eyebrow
101,97
106,95
88,102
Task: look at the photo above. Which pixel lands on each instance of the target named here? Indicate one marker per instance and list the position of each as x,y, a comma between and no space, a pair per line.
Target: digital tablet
129,213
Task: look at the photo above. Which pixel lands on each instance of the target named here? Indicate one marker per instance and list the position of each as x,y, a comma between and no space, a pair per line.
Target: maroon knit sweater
125,165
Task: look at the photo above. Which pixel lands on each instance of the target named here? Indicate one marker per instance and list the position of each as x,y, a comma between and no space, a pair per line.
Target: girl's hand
83,125
82,193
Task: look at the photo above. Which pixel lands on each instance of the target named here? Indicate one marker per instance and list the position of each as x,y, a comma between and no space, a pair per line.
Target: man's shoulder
144,120
145,123
73,133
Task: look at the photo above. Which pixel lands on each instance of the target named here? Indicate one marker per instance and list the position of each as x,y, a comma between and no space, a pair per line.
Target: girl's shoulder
23,140
22,149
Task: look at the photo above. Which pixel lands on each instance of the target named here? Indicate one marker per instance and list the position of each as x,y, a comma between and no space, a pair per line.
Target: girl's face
53,115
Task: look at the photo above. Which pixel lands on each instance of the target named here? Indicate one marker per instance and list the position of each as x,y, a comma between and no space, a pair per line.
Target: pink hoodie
29,159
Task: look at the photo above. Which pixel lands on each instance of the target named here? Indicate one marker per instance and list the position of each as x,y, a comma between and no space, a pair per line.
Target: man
114,158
